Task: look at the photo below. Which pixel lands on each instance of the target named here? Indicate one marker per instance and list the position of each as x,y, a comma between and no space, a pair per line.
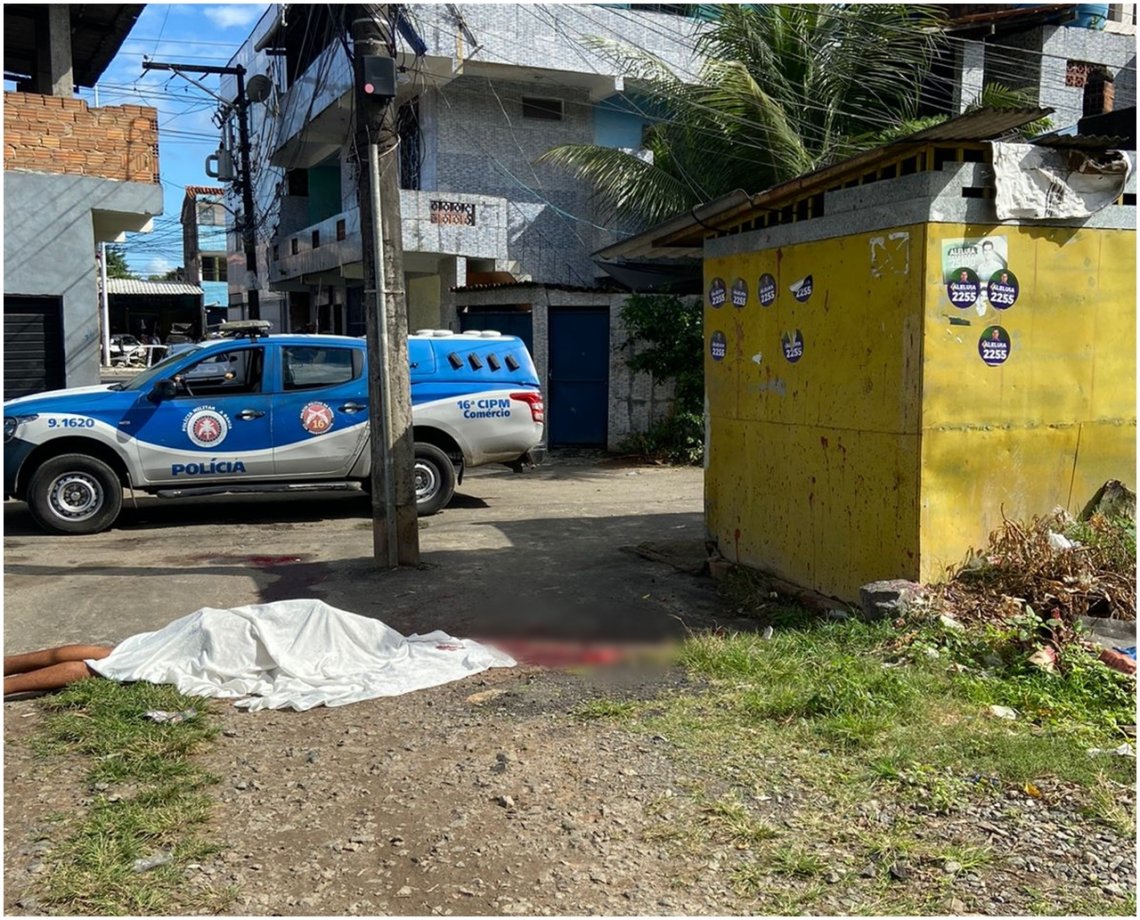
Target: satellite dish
258,88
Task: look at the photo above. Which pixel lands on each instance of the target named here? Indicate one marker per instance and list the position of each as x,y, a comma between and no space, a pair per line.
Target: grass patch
795,861
1103,805
150,802
731,820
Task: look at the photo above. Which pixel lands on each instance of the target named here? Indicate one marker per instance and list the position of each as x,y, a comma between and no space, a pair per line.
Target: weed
1103,805
91,870
795,861
734,821
970,858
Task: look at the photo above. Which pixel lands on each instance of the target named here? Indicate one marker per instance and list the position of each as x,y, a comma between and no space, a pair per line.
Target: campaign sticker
766,290
801,290
206,426
740,293
718,294
994,346
1003,289
964,287
793,343
718,346
316,417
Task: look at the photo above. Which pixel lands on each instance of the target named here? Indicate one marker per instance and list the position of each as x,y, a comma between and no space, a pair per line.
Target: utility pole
248,230
395,529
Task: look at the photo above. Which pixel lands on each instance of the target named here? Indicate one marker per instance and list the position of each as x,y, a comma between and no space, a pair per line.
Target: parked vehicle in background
263,413
126,349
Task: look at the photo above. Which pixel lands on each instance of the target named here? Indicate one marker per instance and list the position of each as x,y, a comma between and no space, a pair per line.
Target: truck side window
307,367
229,372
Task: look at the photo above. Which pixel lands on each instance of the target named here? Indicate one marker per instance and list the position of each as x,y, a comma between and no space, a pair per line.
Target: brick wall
59,134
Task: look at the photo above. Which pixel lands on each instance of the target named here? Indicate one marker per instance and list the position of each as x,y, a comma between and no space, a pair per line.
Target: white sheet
295,653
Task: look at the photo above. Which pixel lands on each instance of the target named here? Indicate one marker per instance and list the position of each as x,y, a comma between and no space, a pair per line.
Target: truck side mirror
163,389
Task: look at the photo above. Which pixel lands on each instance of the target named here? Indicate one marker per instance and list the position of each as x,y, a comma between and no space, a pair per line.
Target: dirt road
450,800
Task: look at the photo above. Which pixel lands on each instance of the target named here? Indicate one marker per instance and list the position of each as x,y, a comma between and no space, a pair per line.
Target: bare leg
33,661
49,678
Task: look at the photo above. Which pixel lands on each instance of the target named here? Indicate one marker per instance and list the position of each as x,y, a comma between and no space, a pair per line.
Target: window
211,214
341,229
307,367
231,372
297,183
546,109
214,268
411,144
316,239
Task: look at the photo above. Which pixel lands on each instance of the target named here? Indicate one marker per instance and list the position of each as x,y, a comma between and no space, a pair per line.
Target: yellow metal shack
890,368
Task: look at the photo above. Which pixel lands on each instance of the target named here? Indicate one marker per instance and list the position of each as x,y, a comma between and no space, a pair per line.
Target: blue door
511,322
578,403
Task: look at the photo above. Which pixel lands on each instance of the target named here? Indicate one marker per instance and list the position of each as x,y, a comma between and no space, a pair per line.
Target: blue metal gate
513,322
578,403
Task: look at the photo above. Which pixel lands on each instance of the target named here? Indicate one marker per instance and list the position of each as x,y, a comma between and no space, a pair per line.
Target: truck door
217,426
320,412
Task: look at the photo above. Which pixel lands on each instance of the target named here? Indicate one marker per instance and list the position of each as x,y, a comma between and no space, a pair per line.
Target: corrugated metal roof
681,236
153,288
1085,142
979,125
512,285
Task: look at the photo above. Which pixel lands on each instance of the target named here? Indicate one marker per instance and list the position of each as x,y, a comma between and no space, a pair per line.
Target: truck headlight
12,424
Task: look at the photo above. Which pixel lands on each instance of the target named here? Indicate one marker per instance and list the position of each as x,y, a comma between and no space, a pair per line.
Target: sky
185,33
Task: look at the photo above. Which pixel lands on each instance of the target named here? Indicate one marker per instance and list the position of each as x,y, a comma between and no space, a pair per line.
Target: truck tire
434,478
74,494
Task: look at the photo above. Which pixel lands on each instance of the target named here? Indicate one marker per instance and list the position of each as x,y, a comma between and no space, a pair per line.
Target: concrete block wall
1061,44
483,143
636,402
62,135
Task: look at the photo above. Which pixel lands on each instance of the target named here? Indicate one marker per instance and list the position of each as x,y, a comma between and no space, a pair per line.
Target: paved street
537,553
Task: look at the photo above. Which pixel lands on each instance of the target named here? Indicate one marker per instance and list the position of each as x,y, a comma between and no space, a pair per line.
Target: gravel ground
489,796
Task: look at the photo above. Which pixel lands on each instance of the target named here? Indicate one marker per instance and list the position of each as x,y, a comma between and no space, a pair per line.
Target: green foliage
149,799
680,439
665,341
783,89
117,264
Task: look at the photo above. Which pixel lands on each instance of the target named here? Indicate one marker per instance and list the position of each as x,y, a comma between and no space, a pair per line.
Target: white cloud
226,17
152,265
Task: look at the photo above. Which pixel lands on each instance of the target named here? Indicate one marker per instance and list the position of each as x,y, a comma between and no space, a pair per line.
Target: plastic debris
1003,712
1059,541
172,718
1125,750
152,862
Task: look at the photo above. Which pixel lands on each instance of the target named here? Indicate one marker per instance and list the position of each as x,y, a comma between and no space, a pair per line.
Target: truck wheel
434,479
75,494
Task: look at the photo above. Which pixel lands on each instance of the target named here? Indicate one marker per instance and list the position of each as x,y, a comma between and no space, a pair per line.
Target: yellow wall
1048,426
812,471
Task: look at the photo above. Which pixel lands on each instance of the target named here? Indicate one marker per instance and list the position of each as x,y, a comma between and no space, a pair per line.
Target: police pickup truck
257,413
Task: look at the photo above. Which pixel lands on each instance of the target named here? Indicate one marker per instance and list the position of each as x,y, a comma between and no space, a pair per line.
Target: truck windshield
146,379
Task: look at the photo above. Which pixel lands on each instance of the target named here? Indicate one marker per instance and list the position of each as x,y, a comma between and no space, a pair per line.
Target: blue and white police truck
254,412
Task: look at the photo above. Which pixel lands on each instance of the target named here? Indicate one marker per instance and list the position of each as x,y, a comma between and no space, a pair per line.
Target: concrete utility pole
395,529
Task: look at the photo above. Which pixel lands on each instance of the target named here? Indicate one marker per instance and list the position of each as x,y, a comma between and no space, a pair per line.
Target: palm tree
783,89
